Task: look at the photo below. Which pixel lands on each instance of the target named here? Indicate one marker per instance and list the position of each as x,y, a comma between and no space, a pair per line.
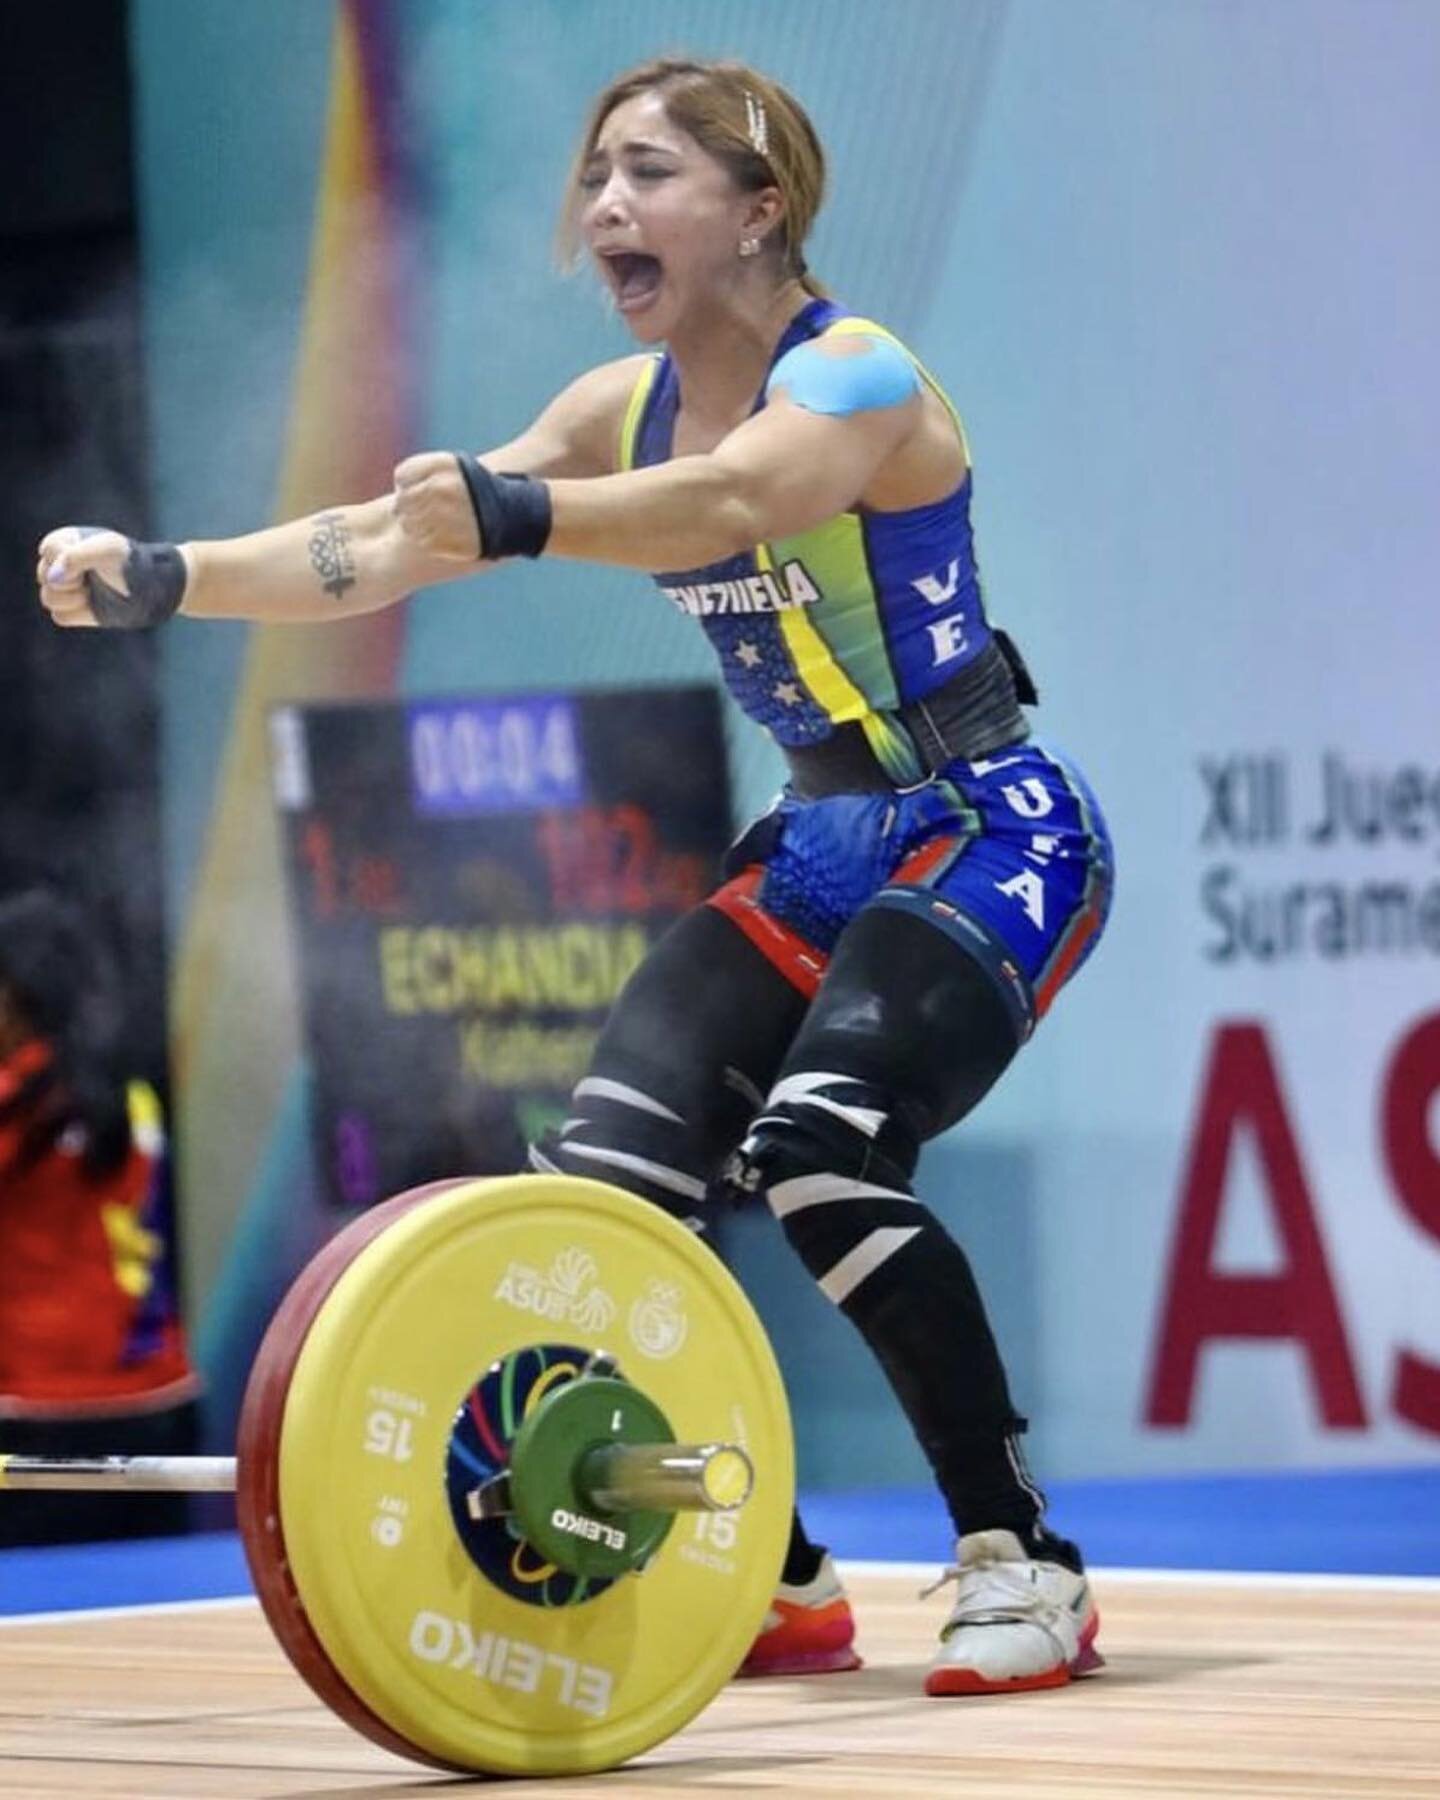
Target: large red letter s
1410,1084
1242,1088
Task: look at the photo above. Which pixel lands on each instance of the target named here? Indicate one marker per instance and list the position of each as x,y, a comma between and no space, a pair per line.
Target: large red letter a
1410,1087
1242,1089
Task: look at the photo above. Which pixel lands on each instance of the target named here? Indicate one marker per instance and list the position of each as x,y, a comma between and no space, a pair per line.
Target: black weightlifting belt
973,714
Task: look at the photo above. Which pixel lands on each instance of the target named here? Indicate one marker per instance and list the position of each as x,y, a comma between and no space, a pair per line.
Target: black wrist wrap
512,511
155,576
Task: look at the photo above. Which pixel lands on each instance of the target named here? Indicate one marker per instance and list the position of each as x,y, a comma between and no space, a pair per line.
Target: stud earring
750,246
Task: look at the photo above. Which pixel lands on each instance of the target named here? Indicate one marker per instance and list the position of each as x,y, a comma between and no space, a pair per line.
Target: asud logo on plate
567,1291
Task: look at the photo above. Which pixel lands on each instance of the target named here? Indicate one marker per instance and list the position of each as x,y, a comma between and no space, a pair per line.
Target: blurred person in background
893,930
92,1356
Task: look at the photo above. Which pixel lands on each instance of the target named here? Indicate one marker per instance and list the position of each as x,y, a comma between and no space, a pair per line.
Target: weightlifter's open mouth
634,276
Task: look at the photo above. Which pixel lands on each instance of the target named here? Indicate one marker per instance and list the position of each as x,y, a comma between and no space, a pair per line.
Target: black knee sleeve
904,1007
682,1064
832,1158
628,1136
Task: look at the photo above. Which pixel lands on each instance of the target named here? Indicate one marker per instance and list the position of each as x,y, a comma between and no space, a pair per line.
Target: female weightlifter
892,931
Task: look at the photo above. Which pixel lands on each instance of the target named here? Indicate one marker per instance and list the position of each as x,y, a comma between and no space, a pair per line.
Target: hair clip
756,124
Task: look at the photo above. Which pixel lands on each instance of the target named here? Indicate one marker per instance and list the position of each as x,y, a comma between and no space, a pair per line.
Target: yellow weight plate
462,1670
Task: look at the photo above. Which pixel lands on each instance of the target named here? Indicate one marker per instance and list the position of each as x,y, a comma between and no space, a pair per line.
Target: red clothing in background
88,1321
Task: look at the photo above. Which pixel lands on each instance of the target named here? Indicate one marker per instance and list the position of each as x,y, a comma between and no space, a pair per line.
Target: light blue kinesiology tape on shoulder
873,375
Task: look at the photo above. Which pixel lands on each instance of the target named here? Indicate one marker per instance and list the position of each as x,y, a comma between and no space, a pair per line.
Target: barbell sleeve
665,1477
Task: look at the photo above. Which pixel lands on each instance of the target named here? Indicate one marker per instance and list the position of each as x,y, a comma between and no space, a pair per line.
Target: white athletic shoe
1016,1623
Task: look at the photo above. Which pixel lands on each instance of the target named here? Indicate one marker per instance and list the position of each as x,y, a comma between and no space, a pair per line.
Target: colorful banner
235,1032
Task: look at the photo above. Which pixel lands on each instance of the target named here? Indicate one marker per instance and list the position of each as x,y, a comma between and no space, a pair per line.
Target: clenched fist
66,557
452,506
433,505
93,577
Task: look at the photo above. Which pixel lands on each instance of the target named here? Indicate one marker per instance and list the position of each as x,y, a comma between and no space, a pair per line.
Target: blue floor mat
1343,1522
71,1577
1370,1522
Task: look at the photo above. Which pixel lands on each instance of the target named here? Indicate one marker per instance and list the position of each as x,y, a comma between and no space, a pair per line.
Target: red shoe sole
806,1641
802,1662
967,1681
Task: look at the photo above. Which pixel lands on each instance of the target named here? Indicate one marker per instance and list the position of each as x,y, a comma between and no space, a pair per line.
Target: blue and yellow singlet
851,623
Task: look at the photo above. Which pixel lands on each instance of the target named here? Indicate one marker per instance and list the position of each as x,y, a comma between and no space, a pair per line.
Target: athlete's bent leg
681,1065
907,1034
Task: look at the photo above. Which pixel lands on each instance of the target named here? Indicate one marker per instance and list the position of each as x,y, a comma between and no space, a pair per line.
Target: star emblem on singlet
747,654
787,693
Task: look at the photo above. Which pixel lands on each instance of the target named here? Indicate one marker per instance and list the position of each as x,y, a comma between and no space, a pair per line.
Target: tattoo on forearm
330,554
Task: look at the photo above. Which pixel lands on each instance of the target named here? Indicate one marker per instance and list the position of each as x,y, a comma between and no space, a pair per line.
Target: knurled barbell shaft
164,1474
621,1478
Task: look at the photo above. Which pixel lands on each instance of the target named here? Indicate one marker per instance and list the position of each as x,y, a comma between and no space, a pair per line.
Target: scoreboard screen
471,882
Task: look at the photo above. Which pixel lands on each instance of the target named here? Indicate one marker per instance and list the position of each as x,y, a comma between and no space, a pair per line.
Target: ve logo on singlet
947,636
936,591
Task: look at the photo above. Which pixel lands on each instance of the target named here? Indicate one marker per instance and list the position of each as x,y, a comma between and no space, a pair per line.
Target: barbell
471,1434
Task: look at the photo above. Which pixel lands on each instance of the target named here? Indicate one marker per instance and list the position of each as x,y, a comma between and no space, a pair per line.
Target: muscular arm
781,472
845,420
356,559
347,559
844,423
334,564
